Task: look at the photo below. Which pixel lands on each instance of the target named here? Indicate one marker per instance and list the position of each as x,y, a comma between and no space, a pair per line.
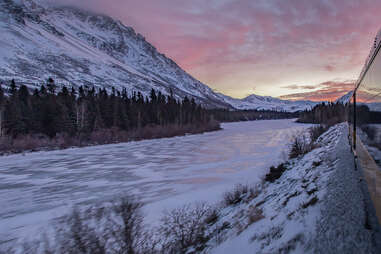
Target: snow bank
316,206
38,188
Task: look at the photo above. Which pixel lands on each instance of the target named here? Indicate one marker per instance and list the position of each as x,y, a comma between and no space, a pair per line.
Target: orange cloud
326,91
238,44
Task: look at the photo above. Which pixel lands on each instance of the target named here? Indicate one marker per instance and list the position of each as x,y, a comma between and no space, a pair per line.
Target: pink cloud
321,38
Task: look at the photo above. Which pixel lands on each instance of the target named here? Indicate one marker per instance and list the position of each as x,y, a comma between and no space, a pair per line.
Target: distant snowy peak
256,102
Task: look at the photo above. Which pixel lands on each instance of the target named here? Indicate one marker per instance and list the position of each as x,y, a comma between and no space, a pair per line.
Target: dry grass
240,193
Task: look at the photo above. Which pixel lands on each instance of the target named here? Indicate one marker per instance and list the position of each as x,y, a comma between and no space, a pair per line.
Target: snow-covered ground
36,188
316,206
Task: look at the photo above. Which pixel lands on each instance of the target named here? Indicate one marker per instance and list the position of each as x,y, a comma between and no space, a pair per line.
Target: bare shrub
240,193
184,228
212,217
125,225
100,230
303,144
79,237
236,195
275,172
300,146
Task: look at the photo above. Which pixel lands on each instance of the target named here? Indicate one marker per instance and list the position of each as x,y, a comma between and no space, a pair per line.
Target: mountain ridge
77,47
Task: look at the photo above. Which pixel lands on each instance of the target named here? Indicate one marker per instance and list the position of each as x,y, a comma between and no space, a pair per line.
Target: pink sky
289,48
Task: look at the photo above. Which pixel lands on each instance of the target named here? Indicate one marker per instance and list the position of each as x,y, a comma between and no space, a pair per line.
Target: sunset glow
282,48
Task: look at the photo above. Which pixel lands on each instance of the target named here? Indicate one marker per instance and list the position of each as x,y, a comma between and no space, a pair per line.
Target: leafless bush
212,217
79,236
125,226
275,172
300,146
115,229
185,228
303,143
240,193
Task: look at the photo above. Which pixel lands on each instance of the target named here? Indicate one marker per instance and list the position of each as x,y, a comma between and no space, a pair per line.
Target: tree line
332,113
225,115
80,113
325,113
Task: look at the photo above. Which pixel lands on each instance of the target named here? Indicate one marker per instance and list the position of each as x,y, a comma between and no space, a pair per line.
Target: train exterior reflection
365,116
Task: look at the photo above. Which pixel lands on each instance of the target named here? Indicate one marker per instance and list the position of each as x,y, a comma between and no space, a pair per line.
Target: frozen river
37,187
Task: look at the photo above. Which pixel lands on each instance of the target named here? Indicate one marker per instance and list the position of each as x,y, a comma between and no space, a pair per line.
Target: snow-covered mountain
77,47
267,103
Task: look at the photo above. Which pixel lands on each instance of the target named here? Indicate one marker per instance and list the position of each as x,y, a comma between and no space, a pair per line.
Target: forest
69,117
49,117
332,113
325,113
225,115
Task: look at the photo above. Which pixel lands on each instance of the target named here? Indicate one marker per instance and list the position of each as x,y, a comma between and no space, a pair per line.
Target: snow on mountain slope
267,103
76,47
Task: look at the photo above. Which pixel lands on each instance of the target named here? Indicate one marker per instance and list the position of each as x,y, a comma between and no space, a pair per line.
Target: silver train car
365,110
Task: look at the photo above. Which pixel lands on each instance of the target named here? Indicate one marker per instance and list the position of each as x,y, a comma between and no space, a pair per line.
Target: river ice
36,188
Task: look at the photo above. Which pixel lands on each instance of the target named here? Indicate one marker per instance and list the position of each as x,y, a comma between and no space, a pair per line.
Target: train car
365,115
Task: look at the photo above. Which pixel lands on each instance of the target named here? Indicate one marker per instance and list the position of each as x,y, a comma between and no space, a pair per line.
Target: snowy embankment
36,189
316,206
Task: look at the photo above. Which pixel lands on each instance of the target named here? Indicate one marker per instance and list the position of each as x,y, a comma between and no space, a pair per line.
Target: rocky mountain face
76,47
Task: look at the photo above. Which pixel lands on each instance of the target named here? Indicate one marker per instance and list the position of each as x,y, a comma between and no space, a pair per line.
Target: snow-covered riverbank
37,188
316,206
